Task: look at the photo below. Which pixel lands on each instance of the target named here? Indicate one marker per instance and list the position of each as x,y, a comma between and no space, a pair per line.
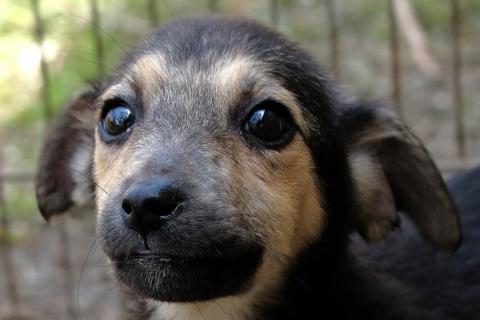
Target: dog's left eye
116,120
270,124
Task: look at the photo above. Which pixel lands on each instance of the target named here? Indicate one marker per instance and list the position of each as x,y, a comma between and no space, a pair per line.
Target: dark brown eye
118,120
270,124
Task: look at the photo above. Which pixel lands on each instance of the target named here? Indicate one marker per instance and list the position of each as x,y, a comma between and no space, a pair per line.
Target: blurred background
422,57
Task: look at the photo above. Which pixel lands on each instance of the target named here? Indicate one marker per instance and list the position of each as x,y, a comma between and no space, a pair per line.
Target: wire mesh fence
66,255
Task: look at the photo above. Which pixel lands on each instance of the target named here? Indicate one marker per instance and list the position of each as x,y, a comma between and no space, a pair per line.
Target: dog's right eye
269,125
116,120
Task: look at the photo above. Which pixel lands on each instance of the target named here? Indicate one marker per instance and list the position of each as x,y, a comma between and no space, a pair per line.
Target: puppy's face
218,154
206,173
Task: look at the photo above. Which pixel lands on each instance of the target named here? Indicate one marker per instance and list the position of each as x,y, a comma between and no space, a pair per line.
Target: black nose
149,203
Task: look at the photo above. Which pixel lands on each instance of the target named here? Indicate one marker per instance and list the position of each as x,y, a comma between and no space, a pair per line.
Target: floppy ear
64,176
393,171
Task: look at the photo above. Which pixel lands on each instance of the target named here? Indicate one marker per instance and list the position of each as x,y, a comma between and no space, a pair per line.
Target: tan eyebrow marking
148,72
229,74
117,90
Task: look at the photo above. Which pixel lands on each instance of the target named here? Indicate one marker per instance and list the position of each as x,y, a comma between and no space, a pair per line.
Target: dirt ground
47,289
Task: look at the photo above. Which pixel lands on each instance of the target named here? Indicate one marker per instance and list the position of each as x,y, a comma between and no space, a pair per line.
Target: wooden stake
395,62
153,12
456,22
6,254
274,12
333,37
67,269
213,5
97,39
39,35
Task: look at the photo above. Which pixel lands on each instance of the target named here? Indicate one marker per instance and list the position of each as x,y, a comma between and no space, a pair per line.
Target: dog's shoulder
350,288
446,284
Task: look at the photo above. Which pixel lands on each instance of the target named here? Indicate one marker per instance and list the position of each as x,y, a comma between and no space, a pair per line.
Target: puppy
228,176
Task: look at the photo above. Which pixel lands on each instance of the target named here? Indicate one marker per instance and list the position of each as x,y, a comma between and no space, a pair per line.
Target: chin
187,279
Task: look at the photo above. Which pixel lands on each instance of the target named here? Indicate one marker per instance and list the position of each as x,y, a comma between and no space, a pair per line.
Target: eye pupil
118,120
269,123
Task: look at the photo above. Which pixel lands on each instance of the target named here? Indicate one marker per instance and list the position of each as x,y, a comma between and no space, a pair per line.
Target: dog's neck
272,301
326,280
245,306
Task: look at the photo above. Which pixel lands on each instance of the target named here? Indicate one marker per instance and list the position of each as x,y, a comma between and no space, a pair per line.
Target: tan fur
118,90
232,308
112,166
277,197
376,212
230,74
79,163
275,193
148,73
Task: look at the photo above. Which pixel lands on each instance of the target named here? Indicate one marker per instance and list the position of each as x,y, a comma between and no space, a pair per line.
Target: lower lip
153,257
172,278
147,255
162,258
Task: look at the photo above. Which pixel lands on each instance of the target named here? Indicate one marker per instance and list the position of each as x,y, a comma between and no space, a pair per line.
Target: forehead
224,82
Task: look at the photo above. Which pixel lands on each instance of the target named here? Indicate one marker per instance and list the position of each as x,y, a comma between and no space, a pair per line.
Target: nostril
165,204
127,206
147,204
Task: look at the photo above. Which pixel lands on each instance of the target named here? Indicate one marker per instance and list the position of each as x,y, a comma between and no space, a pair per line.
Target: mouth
146,254
177,278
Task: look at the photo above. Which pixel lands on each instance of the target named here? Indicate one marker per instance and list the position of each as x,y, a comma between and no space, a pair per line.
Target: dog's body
403,278
445,285
229,176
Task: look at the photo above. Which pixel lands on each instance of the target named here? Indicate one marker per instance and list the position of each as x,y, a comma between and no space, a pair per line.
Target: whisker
85,78
104,32
79,173
82,270
89,179
125,178
81,52
220,307
200,311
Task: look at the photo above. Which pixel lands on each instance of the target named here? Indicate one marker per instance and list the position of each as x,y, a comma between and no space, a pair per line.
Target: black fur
447,286
329,280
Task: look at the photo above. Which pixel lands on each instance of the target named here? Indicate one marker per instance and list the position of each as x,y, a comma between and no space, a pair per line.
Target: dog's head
217,152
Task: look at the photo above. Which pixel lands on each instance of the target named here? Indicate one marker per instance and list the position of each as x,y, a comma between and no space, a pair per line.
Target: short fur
265,233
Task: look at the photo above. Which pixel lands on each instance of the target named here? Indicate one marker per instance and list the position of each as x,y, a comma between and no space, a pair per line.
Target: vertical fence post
152,12
333,36
97,39
65,264
395,59
39,34
67,269
6,253
213,5
416,37
456,78
274,12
